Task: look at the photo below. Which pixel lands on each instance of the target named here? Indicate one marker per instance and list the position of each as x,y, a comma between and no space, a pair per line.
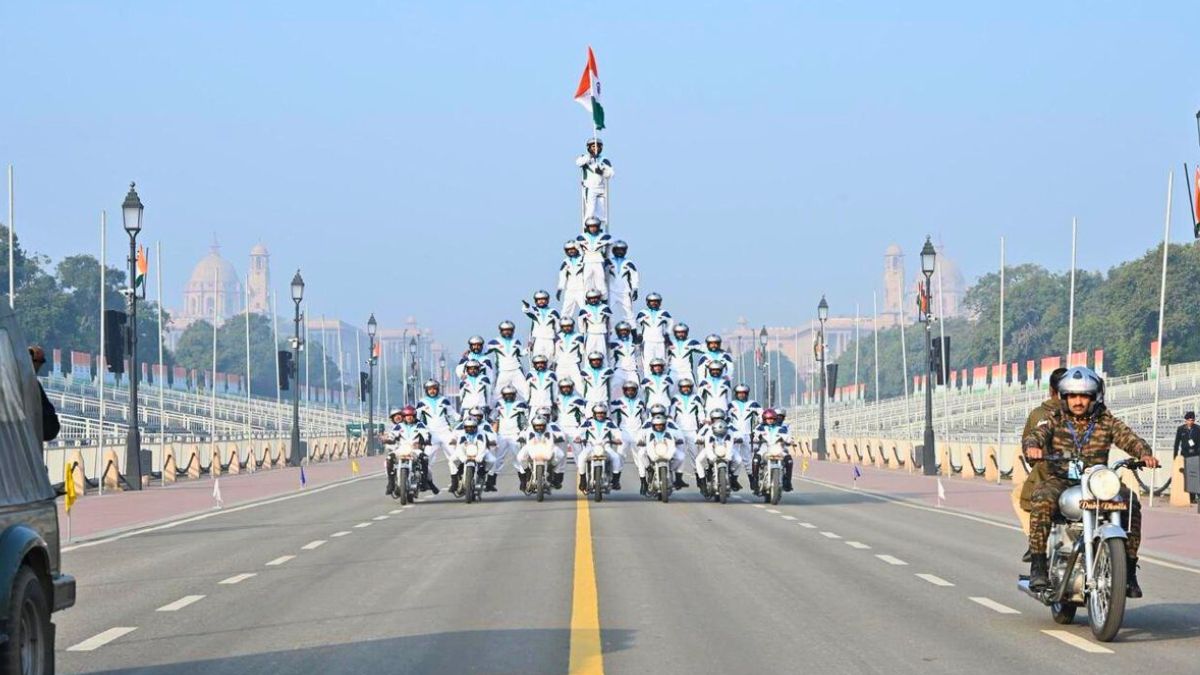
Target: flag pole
162,369
387,398
1004,368
103,346
212,384
278,394
1162,310
1071,304
249,431
875,331
325,363
945,357
12,228
904,360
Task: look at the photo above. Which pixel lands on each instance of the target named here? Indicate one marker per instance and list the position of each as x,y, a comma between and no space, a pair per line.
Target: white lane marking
994,606
407,506
340,534
891,560
102,639
363,525
789,517
180,603
280,560
237,578
383,517
857,544
772,511
934,579
312,544
808,526
759,506
1078,642
395,511
218,512
830,535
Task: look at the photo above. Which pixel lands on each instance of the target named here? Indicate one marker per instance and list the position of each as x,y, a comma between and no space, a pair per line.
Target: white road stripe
312,544
759,506
789,517
1078,642
831,535
772,511
407,506
994,606
935,580
857,544
383,517
280,560
363,525
237,578
180,603
891,560
102,639
808,526
340,534
395,511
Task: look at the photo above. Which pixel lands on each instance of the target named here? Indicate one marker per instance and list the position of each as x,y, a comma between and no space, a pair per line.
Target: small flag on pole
941,492
354,468
857,475
303,478
588,92
217,493
804,465
143,266
69,483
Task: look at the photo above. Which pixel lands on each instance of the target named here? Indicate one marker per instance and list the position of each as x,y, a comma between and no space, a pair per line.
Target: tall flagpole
875,332
341,367
387,397
102,361
212,384
359,362
904,357
1004,367
307,371
12,228
278,389
249,431
857,342
796,369
1071,310
325,362
162,368
1162,312
945,356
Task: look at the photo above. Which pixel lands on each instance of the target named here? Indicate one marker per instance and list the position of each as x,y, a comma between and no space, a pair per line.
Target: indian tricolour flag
142,267
588,93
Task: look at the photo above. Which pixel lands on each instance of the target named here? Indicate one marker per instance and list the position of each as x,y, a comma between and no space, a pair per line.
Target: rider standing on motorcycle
437,413
569,352
475,388
622,283
713,352
406,428
474,353
688,413
570,280
629,413
594,243
540,429
471,433
771,432
624,356
508,351
681,353
541,383
596,378
597,171
743,417
717,432
593,320
599,432
657,385
654,325
509,421
714,388
544,329
1083,430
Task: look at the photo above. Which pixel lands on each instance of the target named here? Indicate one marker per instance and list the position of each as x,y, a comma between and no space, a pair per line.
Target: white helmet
595,355
541,295
507,325
508,390
1080,380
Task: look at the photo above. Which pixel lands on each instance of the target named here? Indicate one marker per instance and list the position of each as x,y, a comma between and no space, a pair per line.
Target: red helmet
408,410
769,415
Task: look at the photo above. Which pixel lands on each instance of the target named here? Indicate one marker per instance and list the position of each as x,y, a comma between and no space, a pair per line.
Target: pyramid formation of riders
603,381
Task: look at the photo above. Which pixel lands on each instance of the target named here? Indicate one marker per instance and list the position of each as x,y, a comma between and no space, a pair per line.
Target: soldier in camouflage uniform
1041,416
1084,429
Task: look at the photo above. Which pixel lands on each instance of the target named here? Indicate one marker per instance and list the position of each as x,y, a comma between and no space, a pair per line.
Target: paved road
833,581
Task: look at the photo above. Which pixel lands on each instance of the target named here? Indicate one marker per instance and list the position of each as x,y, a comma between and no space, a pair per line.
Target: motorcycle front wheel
664,488
598,482
776,487
469,483
723,484
1106,602
402,486
539,478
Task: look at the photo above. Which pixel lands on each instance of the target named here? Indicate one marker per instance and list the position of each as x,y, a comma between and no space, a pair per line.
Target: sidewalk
94,514
1172,532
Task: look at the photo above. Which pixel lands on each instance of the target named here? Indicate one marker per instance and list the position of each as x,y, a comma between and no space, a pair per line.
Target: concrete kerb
1179,495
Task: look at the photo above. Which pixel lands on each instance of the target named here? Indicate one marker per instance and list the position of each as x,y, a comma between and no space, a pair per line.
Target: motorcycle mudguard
1111,531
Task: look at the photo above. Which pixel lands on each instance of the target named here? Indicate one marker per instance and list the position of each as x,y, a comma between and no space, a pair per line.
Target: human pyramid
600,377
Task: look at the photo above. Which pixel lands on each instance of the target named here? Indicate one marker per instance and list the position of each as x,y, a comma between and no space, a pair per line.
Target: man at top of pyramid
596,171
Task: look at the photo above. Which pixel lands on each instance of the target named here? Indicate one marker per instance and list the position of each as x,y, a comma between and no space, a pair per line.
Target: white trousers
515,378
595,205
595,342
614,459
542,346
621,304
705,457
454,460
573,298
652,350
620,377
641,460
558,460
506,446
594,277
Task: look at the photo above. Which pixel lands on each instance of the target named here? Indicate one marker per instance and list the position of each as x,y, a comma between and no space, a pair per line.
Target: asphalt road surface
342,580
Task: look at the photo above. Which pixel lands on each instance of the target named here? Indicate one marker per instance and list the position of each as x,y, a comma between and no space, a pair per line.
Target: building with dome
213,289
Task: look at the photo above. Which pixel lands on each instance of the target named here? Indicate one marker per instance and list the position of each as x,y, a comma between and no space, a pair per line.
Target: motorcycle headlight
1104,484
720,451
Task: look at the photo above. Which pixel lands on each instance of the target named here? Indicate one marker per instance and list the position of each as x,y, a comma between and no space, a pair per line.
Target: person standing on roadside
1187,441
50,423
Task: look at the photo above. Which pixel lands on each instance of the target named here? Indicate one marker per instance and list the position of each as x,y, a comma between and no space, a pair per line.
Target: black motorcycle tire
402,486
598,483
664,487
723,484
469,483
1107,630
539,481
1063,613
776,487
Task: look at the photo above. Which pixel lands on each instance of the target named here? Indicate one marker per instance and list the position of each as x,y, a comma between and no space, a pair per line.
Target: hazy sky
417,158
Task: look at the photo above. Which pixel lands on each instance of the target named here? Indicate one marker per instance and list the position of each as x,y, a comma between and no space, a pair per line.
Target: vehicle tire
539,478
1105,614
402,486
1063,613
30,647
469,483
723,484
664,486
776,486
598,482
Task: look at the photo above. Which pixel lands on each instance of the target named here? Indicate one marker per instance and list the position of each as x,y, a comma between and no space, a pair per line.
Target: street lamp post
822,315
372,329
296,456
442,368
762,342
131,213
928,456
412,370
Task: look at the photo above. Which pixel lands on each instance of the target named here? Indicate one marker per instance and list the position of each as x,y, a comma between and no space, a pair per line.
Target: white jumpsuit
454,458
511,417
508,352
558,459
593,321
687,411
706,453
570,285
624,360
544,331
460,371
604,436
595,385
596,172
543,388
715,392
475,392
706,356
438,416
657,390
680,355
629,414
622,288
594,248
569,416
649,436
743,418
568,356
654,325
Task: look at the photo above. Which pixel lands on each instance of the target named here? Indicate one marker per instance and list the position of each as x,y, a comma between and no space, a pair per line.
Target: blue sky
417,158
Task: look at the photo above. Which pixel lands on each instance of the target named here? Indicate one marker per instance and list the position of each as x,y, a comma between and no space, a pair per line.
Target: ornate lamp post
296,455
822,315
442,368
762,342
131,214
372,329
412,370
928,261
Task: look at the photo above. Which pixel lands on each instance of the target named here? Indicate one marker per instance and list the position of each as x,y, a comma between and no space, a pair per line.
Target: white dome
259,249
210,269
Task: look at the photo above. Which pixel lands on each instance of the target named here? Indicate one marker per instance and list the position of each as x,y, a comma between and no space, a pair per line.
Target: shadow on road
477,651
1161,621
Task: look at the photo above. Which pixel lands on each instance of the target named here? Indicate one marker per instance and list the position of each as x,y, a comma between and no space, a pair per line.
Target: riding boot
524,476
582,483
1027,557
643,488
454,480
616,481
1132,588
701,484
754,482
391,475
787,474
556,480
1039,572
679,484
490,486
733,483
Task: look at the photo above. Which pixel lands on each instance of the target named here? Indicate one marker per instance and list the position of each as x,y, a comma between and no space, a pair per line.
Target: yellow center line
586,654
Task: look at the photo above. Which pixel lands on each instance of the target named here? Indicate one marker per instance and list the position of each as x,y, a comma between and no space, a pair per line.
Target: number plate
1090,505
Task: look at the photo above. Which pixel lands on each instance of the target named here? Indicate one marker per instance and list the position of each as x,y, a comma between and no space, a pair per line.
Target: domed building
214,287
949,287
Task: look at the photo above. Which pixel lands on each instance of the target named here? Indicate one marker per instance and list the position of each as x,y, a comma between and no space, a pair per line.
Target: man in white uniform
571,288
622,283
596,171
509,420
593,320
623,349
681,351
569,353
508,352
544,319
593,244
540,430
654,325
541,383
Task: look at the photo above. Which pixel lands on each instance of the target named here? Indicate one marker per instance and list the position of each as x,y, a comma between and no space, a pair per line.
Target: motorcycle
599,472
716,476
660,454
769,466
1086,549
474,471
540,454
409,471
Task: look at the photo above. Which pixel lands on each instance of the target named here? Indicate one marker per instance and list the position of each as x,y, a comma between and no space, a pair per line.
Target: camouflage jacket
1041,416
1087,438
